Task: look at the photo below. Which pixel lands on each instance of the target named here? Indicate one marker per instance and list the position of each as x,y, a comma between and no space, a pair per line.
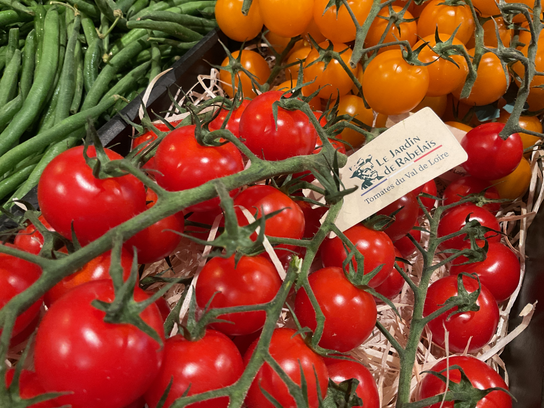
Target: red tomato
489,156
342,370
182,163
254,280
104,364
468,185
455,218
30,239
375,246
474,328
480,375
393,86
407,247
205,220
158,240
17,275
499,272
289,223
407,209
350,312
394,283
428,188
291,135
203,365
68,192
233,124
30,387
97,269
294,357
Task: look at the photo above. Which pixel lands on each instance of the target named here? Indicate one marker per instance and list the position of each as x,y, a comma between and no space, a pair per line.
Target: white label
404,157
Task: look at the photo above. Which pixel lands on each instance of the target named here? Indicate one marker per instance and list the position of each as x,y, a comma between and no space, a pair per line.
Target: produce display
64,63
208,268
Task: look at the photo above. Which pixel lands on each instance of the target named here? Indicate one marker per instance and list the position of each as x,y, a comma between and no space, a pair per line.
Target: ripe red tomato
428,188
197,366
476,328
69,193
489,156
468,185
17,275
405,246
375,246
393,86
182,163
455,218
294,357
30,387
30,239
158,240
263,199
104,364
350,312
342,370
480,375
233,124
291,135
394,283
499,272
254,280
332,78
407,209
96,269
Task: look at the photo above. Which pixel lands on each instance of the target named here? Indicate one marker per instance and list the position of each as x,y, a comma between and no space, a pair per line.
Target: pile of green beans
62,62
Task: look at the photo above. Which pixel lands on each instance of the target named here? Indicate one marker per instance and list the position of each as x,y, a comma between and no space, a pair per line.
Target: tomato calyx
463,392
343,394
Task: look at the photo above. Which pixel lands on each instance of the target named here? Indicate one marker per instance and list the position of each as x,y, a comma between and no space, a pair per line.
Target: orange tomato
536,94
251,61
490,34
354,106
287,18
296,56
459,125
447,19
234,24
526,122
339,27
489,8
516,183
436,103
315,102
444,76
406,31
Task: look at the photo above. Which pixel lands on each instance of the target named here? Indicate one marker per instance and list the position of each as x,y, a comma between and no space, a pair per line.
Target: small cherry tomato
446,19
468,185
337,24
393,86
252,62
516,184
30,387
30,239
286,17
407,209
499,272
350,312
479,374
354,106
375,246
532,123
428,188
296,57
472,328
489,156
394,283
234,24
253,280
405,31
296,359
406,246
367,390
437,103
233,124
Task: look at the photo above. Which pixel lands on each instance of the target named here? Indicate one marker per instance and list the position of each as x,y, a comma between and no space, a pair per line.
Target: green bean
38,26
192,7
110,10
48,118
8,17
125,5
155,61
124,57
129,80
91,63
177,44
173,15
8,83
104,32
145,55
52,151
53,135
29,59
40,87
78,92
161,5
177,30
68,76
13,43
126,39
11,183
138,6
88,8
89,29
8,111
15,5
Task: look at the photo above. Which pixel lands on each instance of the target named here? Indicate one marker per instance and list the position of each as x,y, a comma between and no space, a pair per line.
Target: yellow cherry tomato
354,106
516,183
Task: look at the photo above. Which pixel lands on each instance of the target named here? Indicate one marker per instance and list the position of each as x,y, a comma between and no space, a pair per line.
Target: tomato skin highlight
350,312
254,280
291,353
292,134
489,156
480,375
474,327
68,191
206,364
376,247
104,364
